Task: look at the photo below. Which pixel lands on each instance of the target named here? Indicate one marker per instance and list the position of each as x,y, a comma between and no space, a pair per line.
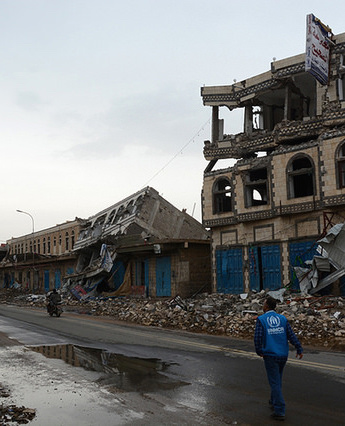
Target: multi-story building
39,260
141,245
284,181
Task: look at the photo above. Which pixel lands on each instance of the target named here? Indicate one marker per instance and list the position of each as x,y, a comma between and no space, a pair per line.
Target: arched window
340,165
72,239
67,241
300,172
222,196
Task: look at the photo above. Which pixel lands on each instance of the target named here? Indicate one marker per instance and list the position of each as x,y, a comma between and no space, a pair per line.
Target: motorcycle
54,309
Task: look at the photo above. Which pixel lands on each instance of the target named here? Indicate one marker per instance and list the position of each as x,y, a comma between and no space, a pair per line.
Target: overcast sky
100,98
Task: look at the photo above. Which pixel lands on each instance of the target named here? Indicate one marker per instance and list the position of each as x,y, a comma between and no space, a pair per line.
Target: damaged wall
267,209
143,233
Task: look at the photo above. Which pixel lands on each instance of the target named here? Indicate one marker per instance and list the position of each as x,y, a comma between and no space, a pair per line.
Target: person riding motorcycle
54,299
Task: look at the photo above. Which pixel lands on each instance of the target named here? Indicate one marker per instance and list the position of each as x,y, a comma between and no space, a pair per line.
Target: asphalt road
215,380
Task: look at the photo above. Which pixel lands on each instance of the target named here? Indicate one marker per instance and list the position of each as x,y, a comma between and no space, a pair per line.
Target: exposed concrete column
248,120
268,118
287,105
215,123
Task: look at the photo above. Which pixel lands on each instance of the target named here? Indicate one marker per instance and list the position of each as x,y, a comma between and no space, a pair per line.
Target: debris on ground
16,415
317,320
13,414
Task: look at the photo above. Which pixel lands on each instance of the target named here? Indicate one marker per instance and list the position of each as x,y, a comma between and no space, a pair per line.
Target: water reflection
117,371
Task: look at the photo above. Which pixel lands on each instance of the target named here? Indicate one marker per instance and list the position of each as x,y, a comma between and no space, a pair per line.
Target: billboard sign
317,49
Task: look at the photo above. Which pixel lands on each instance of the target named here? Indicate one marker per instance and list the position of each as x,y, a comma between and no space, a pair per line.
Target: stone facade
285,184
57,240
39,261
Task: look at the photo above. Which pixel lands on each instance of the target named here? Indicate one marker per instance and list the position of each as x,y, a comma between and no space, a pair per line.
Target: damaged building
283,184
39,261
142,245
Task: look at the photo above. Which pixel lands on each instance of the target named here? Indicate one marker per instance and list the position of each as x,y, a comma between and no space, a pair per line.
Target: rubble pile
316,320
16,415
12,413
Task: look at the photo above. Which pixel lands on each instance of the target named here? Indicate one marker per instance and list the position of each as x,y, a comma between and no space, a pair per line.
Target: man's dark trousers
274,369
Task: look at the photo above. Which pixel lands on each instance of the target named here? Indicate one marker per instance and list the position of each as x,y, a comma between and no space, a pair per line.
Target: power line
179,152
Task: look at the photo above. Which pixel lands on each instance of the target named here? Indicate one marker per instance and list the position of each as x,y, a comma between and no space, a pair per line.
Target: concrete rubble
11,413
318,321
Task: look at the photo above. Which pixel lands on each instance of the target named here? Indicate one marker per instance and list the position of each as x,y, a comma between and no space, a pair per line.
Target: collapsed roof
143,216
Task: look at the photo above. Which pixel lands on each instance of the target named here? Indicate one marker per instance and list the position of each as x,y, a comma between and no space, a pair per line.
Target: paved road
220,379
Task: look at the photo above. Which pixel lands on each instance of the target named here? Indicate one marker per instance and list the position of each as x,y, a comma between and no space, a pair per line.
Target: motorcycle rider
54,299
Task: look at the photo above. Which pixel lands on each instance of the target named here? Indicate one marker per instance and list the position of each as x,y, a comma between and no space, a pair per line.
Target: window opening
111,217
301,178
341,165
256,188
258,122
222,196
341,79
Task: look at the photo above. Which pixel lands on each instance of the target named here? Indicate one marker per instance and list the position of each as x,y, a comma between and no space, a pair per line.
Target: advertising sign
317,49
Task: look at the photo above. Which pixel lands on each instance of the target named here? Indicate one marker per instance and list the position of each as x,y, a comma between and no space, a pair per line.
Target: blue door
255,269
264,267
141,279
57,278
299,253
118,274
229,265
163,277
147,289
46,281
271,269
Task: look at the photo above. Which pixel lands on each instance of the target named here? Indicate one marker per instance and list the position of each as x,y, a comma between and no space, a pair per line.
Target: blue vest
275,342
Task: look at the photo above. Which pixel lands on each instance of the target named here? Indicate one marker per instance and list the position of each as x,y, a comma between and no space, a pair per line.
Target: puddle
118,371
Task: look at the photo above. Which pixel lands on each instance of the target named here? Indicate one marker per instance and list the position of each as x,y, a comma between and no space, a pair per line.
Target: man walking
272,333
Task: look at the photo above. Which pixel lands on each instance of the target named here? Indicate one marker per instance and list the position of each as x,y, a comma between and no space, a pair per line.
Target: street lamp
33,254
33,223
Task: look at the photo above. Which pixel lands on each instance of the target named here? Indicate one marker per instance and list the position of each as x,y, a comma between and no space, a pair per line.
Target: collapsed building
283,185
142,245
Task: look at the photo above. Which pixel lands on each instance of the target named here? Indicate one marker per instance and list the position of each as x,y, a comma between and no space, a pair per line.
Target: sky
100,98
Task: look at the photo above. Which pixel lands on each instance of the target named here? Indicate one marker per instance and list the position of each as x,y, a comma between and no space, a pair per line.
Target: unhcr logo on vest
273,321
274,325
